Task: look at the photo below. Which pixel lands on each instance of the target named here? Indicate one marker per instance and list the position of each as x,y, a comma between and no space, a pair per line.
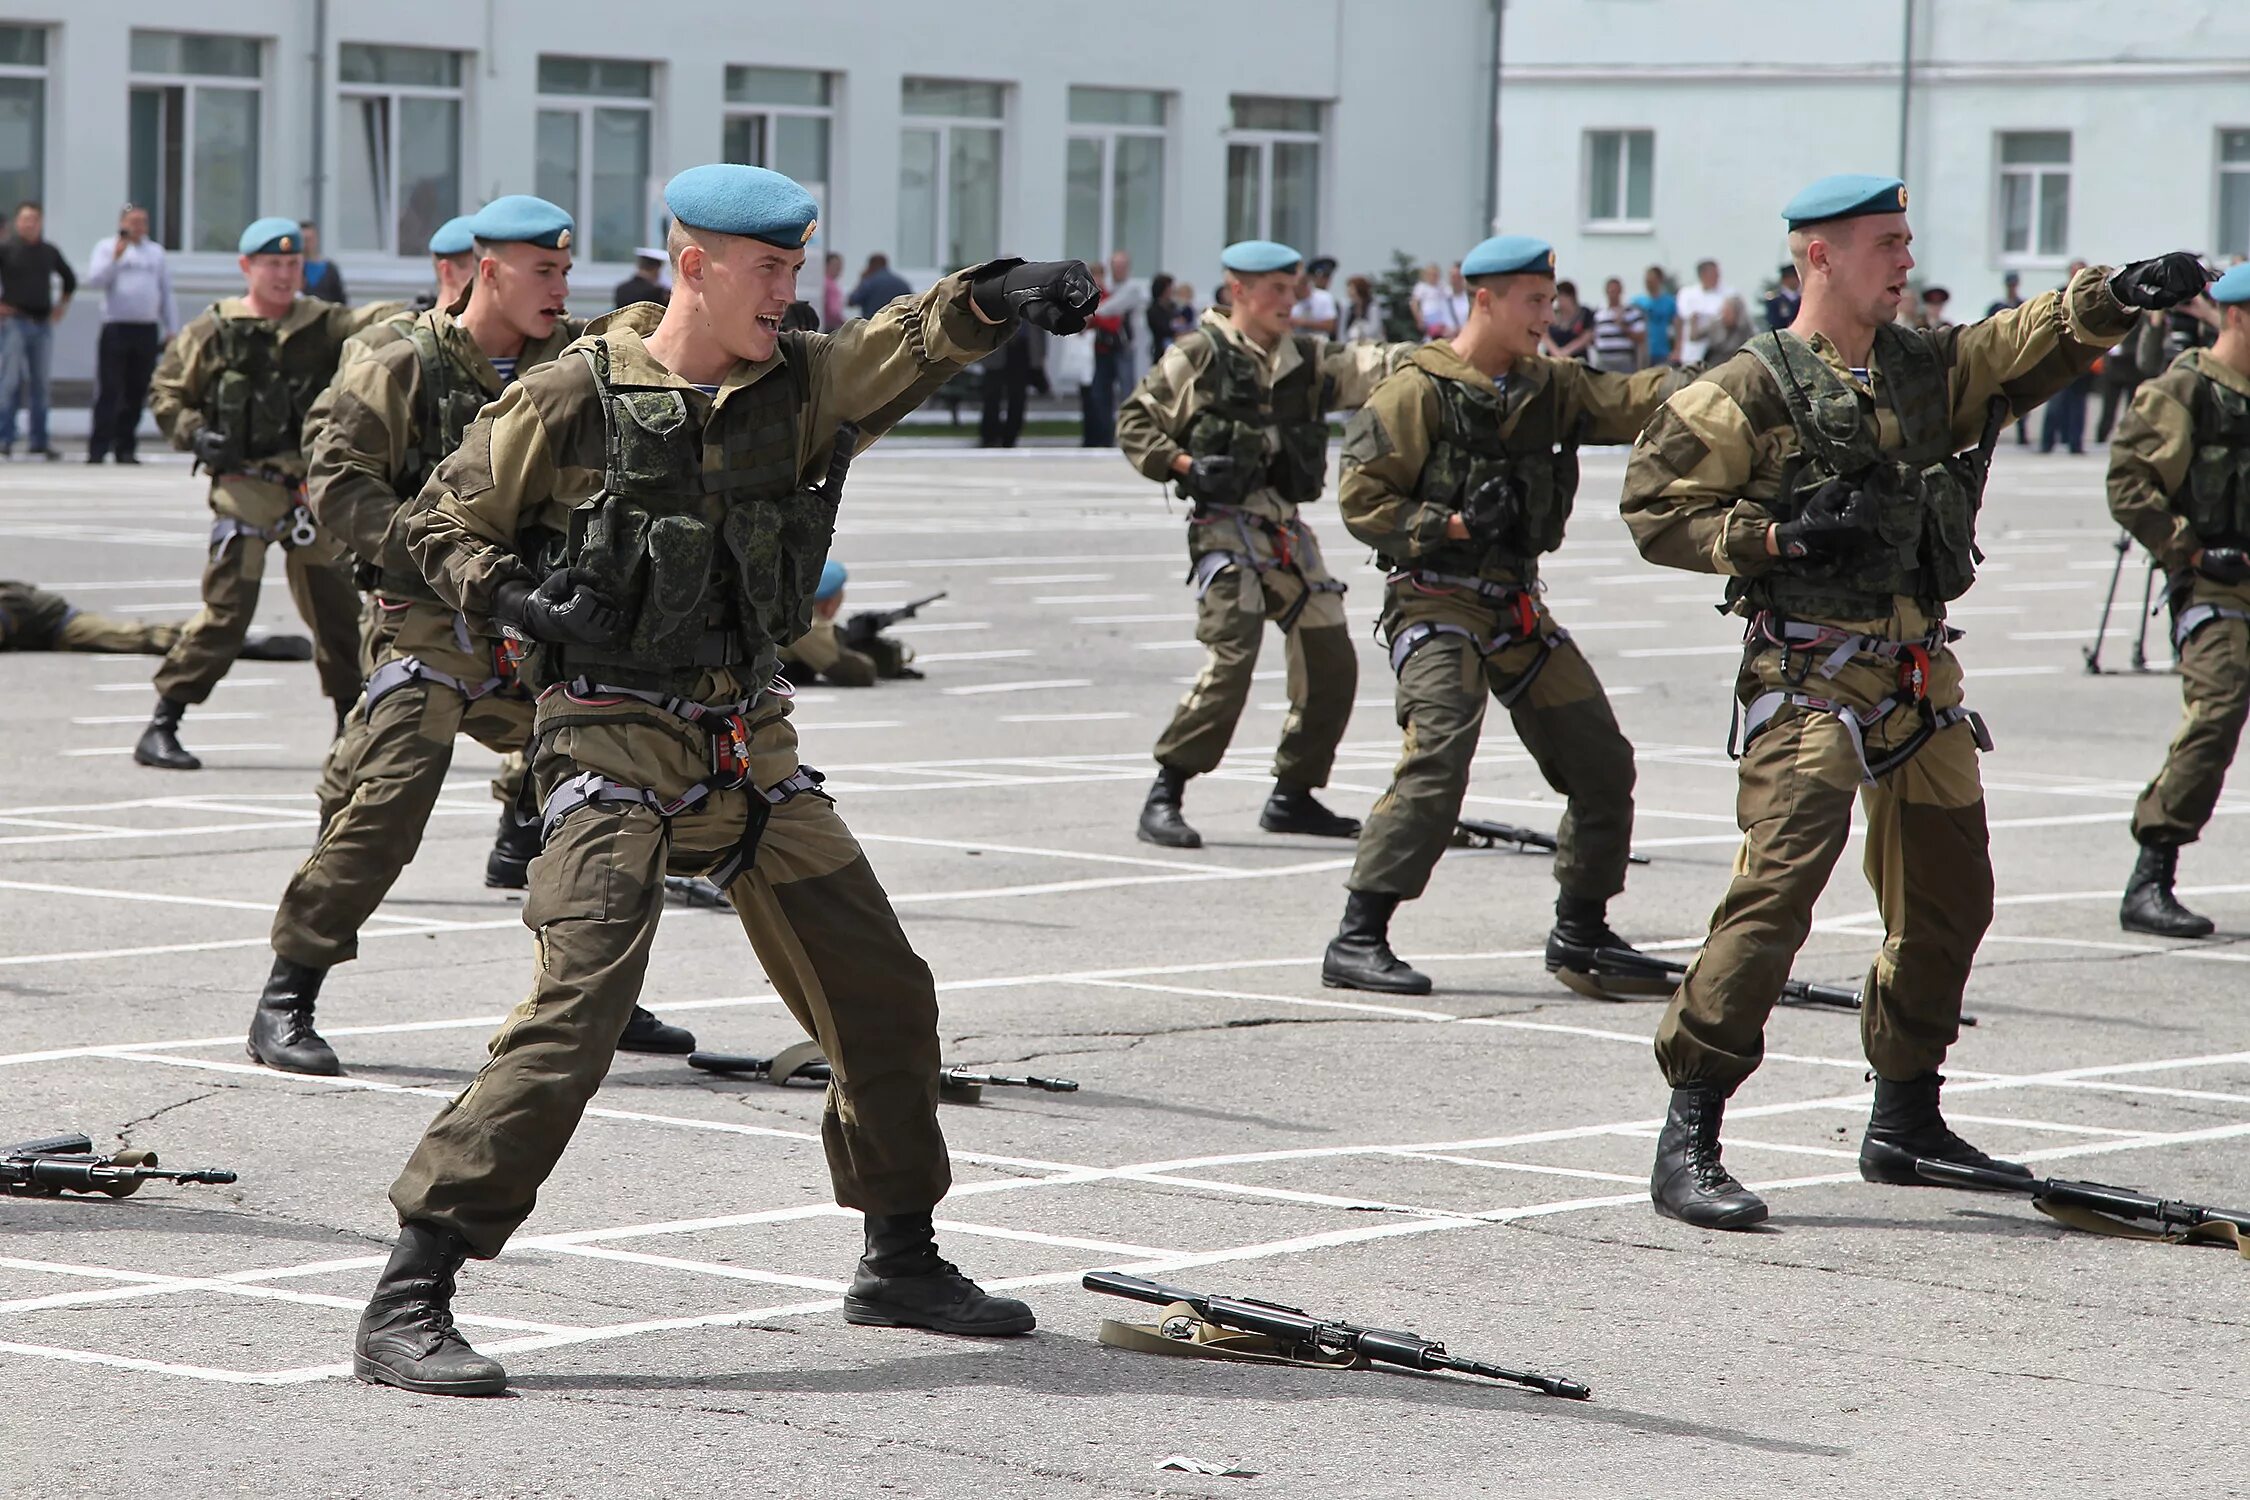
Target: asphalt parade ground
1472,1165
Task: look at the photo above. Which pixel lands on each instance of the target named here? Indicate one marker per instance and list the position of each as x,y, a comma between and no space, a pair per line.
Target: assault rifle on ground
863,627
1477,833
1300,1329
696,890
961,1085
1793,991
2161,1214
69,1164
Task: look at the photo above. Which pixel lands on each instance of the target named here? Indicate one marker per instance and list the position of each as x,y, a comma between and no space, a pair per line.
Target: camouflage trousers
1322,676
1928,860
816,917
31,619
2215,685
209,643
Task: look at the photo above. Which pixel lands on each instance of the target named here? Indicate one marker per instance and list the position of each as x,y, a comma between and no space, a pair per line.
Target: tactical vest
1924,543
711,565
1538,459
1234,414
264,386
2216,498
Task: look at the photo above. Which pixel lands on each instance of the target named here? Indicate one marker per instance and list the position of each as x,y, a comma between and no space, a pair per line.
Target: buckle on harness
298,529
730,750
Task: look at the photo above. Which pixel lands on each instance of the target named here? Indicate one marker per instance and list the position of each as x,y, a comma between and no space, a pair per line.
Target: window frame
1588,221
392,93
1106,137
2032,257
942,181
192,85
583,106
2222,169
1264,139
733,110
40,73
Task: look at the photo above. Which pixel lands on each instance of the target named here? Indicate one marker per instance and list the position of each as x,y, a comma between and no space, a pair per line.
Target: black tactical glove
1057,295
1215,478
1838,517
2224,564
214,450
1491,513
561,610
2166,281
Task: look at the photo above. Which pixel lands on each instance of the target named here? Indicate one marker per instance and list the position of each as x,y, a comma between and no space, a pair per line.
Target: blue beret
1847,195
520,218
1252,257
729,198
1510,255
454,237
272,237
2232,287
832,576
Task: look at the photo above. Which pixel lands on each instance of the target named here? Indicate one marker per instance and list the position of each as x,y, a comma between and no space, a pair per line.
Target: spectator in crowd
1159,315
138,315
1781,307
1433,309
1097,398
1731,333
1183,309
2120,373
878,287
1570,333
1660,311
1457,298
2065,420
29,311
322,279
1009,372
645,284
832,291
1316,311
2012,296
1363,313
1620,332
1699,309
1129,303
1935,300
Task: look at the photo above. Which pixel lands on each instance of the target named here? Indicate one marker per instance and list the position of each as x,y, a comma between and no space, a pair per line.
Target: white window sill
1618,226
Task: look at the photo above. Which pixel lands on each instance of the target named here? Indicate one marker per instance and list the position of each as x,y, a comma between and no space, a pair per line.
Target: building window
2034,195
949,172
2234,192
781,118
1113,183
193,118
23,115
399,146
595,119
1620,180
1273,171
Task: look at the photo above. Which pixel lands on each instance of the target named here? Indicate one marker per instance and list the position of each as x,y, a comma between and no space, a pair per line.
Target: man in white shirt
1128,299
1433,309
138,315
1700,308
1457,299
1315,311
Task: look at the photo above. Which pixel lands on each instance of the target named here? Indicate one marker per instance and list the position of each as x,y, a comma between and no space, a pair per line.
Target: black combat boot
281,1028
1161,822
1581,929
508,866
1689,1182
2149,903
1359,957
902,1282
645,1033
274,647
1294,809
1906,1124
407,1338
160,745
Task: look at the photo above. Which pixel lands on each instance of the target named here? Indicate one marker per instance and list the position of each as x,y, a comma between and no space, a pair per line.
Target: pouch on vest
2216,497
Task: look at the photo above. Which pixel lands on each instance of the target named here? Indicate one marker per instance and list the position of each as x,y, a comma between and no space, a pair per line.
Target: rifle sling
1210,1341
2093,1222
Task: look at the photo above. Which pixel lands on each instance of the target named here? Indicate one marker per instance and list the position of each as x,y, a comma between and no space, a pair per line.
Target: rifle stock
69,1164
2101,1198
1482,833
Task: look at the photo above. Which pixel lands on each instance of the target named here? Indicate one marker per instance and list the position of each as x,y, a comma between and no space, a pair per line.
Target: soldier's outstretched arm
176,391
2148,460
1356,369
1386,443
1696,480
1612,407
361,422
504,477
2028,353
1152,424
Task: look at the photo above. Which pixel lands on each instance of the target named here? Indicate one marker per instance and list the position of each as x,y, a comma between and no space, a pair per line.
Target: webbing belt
398,672
294,530
1767,629
2188,621
1759,711
1526,628
1285,537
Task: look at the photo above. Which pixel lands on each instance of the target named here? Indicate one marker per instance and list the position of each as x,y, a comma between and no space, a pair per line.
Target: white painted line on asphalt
1731,649
974,688
933,627
226,684
201,748
157,898
1061,718
1024,579
1200,867
1060,1241
1515,1166
811,726
201,718
1173,617
938,656
1401,1012
1168,646
698,1267
1978,673
1092,598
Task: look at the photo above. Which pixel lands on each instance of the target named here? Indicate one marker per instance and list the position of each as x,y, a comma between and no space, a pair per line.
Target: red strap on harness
1914,673
1527,615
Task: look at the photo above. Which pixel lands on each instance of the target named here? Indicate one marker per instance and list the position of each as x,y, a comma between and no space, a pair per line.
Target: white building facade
1640,132
938,135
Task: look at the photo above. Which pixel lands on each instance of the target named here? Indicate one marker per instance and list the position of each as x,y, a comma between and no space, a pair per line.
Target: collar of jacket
1271,364
303,313
630,364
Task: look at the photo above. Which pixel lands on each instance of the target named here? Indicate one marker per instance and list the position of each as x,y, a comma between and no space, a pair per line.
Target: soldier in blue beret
1831,472
453,259
857,654
1460,472
234,388
1236,413
2179,481
649,515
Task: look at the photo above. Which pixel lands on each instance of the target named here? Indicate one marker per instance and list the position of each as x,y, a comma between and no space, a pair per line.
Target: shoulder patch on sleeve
1366,439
